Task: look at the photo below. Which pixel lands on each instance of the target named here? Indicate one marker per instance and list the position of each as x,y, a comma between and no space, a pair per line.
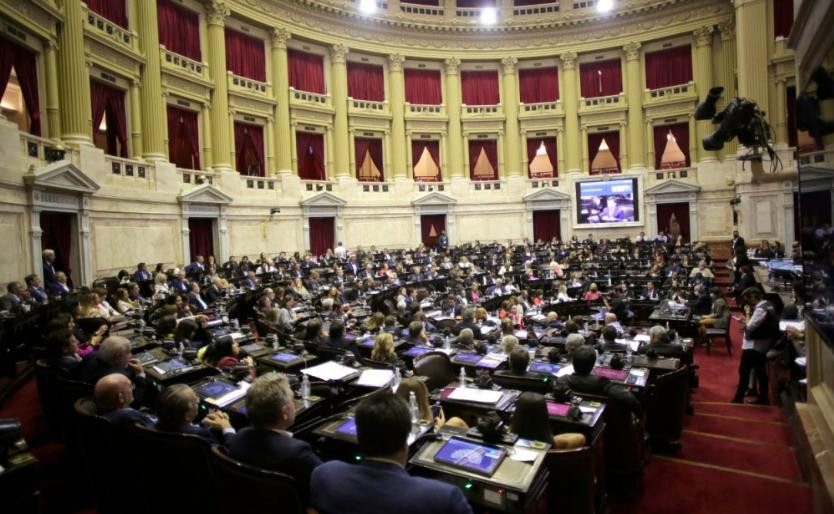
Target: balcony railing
473,12
129,167
425,109
482,110
536,9
428,187
425,10
263,183
375,187
538,183
182,63
604,101
109,30
40,149
317,185
307,97
542,107
675,173
256,87
678,91
819,157
367,105
196,177
486,185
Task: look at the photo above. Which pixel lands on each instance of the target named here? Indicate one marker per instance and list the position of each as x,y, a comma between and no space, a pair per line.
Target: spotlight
367,6
489,16
605,6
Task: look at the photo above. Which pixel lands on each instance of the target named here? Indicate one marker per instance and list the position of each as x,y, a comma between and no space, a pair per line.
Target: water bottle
275,343
397,377
462,378
180,349
235,324
305,387
447,343
412,406
667,326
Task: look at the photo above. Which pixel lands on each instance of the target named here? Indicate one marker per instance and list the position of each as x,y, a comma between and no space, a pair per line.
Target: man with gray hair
468,321
573,342
508,344
48,267
267,443
113,356
660,344
466,338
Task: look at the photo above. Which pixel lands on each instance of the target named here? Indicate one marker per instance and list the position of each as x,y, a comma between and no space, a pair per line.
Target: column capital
781,80
632,50
727,29
568,60
279,36
452,66
703,35
216,12
51,44
395,62
339,53
509,64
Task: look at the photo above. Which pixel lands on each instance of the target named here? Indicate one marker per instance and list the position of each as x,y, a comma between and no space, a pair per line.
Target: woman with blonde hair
421,394
160,286
383,350
375,322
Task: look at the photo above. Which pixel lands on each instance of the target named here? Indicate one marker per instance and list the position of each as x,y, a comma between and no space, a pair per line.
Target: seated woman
225,354
298,289
178,408
421,394
719,316
563,296
62,349
592,294
383,351
123,302
161,288
374,324
192,333
531,421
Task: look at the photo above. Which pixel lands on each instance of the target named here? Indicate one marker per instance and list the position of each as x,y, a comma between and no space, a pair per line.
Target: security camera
274,211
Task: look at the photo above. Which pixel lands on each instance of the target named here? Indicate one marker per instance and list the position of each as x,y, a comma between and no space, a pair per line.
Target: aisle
734,458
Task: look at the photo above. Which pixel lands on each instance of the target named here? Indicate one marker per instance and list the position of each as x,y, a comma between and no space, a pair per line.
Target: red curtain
602,78
434,150
321,235
183,138
306,71
179,29
25,67
546,226
56,234
681,133
669,67
479,87
113,10
490,147
365,82
423,87
538,85
595,139
681,212
373,145
431,225
245,55
201,237
249,149
782,18
110,103
309,151
533,145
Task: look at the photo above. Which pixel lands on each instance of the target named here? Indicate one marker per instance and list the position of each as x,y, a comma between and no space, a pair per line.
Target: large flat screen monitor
607,201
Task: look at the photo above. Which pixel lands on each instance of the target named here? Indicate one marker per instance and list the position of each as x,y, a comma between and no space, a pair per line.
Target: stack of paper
376,378
468,394
329,371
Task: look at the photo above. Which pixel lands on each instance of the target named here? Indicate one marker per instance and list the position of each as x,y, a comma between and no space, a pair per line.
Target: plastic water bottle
235,324
397,377
275,343
305,387
447,343
667,326
180,349
412,406
462,378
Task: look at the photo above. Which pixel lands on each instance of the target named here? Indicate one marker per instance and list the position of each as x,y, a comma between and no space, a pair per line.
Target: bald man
113,395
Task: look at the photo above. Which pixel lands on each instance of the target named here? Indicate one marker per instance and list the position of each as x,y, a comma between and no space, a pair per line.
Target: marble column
726,75
280,79
396,95
341,142
135,97
752,45
53,105
704,81
221,141
512,144
634,97
74,93
153,104
453,109
570,100
779,117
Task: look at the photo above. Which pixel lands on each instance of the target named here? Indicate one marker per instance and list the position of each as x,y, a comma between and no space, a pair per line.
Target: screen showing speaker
607,201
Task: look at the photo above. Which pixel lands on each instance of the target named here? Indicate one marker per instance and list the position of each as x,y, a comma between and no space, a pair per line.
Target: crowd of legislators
458,281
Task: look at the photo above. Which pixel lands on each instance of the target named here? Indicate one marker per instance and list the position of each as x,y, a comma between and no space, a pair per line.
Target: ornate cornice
395,62
632,50
279,36
216,12
703,35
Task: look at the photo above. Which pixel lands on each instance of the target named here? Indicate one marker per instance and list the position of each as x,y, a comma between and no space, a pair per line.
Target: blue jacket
381,487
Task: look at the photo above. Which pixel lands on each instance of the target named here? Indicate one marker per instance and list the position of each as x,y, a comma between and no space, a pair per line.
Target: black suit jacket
125,419
48,273
270,450
476,330
212,294
601,386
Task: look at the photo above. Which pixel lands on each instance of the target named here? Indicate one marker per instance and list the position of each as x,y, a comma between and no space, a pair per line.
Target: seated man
267,444
468,321
519,359
609,343
381,483
113,356
336,338
37,293
583,381
416,335
14,299
611,321
659,343
113,395
178,408
466,339
573,342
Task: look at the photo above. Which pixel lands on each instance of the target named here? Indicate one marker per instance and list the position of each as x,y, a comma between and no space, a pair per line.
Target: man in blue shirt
381,483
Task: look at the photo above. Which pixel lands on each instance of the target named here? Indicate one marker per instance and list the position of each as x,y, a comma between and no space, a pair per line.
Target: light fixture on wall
489,16
605,6
367,6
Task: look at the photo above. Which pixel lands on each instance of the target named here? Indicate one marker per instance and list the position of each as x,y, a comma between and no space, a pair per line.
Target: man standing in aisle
761,330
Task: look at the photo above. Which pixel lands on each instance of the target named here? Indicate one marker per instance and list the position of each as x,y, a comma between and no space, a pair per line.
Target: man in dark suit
381,483
701,304
178,408
49,267
267,444
113,356
142,274
583,381
33,285
195,299
113,395
59,287
660,344
179,284
337,339
215,291
13,299
745,281
468,321
196,267
737,241
651,292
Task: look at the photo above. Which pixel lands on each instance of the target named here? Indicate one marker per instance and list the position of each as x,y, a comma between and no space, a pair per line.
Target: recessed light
489,16
367,6
604,6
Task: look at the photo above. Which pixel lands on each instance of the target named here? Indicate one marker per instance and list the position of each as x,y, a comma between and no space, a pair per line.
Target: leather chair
668,398
46,380
248,488
437,367
572,485
178,464
68,392
719,333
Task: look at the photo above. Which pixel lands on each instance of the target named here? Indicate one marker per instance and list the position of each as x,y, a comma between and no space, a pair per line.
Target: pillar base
154,156
77,140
